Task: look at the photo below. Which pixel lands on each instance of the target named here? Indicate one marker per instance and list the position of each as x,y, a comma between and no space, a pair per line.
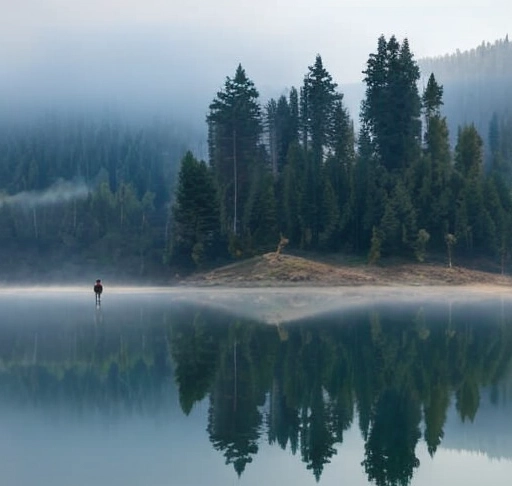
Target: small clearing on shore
272,269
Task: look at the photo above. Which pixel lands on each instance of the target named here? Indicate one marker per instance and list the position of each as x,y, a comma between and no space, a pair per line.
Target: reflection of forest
299,386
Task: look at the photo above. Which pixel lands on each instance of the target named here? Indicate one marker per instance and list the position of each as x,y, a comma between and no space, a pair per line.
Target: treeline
477,84
86,190
393,373
294,168
495,58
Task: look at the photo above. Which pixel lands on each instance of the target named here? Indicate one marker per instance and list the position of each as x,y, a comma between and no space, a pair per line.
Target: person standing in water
98,289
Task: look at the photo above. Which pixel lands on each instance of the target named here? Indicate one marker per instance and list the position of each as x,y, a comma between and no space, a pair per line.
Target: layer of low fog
154,58
269,305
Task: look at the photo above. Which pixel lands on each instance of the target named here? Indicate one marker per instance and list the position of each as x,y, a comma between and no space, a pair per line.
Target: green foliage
294,167
391,108
477,83
432,98
282,129
98,192
234,127
293,193
196,217
330,217
469,152
320,100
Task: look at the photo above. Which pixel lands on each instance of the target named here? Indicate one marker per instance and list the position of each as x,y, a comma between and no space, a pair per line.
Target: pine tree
272,133
391,108
292,193
339,168
196,218
326,130
281,128
294,114
432,99
262,219
330,216
235,127
469,152
432,174
320,97
369,190
471,219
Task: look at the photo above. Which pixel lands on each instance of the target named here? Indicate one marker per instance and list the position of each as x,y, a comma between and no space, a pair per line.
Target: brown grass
274,269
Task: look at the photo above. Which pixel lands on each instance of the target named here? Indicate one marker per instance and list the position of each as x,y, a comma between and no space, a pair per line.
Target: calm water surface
215,387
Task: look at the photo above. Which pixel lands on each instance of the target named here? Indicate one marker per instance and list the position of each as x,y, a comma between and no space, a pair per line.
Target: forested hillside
477,84
87,191
292,169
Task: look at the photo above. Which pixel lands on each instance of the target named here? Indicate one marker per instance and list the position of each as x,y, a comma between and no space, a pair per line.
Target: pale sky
183,50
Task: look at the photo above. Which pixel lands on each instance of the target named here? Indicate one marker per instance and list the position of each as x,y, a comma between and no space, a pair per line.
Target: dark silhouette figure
98,289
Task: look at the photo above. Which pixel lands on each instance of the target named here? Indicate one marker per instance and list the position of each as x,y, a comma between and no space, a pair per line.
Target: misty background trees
398,181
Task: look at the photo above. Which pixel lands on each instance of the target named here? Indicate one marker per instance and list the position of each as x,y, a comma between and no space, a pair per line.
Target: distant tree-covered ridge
478,83
109,193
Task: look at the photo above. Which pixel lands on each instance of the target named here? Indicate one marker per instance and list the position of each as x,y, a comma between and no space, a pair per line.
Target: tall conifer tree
235,127
391,108
196,218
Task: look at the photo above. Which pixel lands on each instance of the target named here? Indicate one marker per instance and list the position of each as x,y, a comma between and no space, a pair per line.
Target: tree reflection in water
299,385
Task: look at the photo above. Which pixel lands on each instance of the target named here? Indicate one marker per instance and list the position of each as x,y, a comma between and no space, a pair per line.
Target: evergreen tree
272,133
432,99
339,168
281,125
320,99
471,218
326,130
292,194
431,175
369,196
329,213
235,126
469,152
261,214
196,220
391,108
294,114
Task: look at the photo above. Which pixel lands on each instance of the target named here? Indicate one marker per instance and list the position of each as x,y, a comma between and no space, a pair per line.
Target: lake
256,387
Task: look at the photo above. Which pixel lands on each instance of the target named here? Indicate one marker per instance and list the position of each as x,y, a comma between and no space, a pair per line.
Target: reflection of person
98,289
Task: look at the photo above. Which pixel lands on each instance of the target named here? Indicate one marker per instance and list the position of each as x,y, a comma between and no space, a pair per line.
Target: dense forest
392,372
477,84
109,193
86,191
295,167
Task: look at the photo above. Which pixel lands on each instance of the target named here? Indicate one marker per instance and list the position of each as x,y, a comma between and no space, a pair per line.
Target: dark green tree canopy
236,107
196,216
391,108
319,99
234,128
469,151
432,98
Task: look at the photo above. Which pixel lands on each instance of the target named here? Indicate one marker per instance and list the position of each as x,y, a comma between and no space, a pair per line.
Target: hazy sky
138,50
